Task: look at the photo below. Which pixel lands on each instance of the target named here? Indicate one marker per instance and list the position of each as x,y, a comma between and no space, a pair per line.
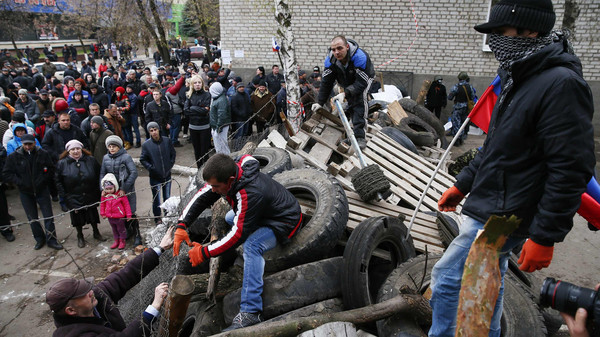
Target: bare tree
12,13
159,38
203,14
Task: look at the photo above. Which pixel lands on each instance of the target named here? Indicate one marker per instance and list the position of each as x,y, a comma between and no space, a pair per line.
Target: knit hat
61,292
240,85
22,92
534,15
60,105
110,178
73,143
262,83
120,89
18,116
152,125
98,120
237,79
113,140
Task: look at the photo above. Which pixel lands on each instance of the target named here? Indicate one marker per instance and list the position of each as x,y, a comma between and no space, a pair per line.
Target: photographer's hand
576,324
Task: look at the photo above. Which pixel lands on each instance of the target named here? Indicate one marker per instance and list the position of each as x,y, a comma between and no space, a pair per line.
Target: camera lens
566,297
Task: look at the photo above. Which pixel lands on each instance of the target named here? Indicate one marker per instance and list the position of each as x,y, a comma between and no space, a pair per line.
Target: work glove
340,97
535,256
450,199
180,235
195,254
315,107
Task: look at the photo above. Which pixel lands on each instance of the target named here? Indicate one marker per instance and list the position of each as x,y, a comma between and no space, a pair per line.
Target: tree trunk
163,49
206,43
162,44
83,48
17,51
411,305
290,66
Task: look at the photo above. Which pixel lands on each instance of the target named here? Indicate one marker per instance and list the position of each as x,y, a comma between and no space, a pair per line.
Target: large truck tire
293,288
400,138
325,214
375,248
419,132
203,318
272,160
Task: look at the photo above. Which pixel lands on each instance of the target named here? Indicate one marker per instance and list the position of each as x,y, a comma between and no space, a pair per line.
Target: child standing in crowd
115,207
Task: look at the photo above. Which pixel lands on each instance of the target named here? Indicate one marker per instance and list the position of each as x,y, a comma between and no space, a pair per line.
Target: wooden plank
333,168
321,153
277,139
354,198
330,116
294,142
396,112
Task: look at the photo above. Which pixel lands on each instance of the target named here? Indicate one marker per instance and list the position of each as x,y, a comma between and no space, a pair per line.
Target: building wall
445,42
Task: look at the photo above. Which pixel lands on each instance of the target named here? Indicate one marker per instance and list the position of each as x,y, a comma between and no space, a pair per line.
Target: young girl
115,208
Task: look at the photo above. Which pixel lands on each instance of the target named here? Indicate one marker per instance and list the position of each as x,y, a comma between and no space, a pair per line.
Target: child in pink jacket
115,208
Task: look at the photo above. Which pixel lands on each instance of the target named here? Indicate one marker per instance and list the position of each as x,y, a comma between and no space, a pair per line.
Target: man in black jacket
263,213
62,132
351,67
274,80
159,110
98,96
240,111
81,308
32,170
536,160
158,157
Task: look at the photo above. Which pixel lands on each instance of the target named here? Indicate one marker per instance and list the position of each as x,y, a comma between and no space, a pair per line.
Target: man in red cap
80,308
536,161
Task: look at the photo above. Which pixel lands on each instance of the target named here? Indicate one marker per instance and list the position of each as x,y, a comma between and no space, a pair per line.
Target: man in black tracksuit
263,213
351,67
536,160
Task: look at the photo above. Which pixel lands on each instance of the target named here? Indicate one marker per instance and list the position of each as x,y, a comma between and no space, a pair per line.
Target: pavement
26,274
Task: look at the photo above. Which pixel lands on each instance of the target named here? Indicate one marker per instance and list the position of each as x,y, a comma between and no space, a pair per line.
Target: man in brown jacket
263,106
115,119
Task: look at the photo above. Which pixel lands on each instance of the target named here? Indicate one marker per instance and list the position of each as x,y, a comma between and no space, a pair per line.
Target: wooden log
176,305
423,92
340,329
413,305
396,112
330,116
218,228
287,124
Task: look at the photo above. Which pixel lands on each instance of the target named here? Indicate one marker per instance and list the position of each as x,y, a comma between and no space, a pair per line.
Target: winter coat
436,95
31,172
76,181
240,107
56,138
87,128
15,142
539,153
257,200
158,157
48,68
30,108
97,143
161,114
116,122
109,292
43,105
220,115
8,134
121,165
263,104
274,82
458,93
81,106
114,207
355,78
100,98
197,109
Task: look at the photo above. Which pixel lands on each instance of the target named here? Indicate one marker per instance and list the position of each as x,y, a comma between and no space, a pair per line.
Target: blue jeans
175,128
446,279
155,186
259,242
136,128
30,203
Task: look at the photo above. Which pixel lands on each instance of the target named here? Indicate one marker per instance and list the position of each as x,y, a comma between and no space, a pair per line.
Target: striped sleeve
204,198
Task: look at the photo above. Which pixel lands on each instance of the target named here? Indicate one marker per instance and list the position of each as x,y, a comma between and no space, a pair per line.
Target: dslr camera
566,297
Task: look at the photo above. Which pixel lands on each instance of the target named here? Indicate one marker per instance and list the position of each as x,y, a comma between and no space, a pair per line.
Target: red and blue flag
482,112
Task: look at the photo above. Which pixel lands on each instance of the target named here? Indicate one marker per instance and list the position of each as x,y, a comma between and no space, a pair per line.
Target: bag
470,103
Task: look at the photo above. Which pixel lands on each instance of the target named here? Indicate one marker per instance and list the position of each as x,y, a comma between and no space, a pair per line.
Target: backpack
470,102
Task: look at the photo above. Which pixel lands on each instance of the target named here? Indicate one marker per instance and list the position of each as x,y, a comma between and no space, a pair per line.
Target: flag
482,112
590,203
275,46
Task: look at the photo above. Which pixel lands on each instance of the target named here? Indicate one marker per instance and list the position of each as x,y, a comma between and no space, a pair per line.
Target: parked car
197,52
60,69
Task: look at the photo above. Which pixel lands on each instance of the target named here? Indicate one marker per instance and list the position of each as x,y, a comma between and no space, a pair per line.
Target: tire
321,228
429,117
419,132
400,138
521,316
324,307
272,160
370,181
202,319
363,272
293,288
448,228
408,104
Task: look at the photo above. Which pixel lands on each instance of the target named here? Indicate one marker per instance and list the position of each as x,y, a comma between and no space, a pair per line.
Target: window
485,46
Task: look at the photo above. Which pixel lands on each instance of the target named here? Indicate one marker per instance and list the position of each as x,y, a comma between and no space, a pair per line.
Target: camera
566,297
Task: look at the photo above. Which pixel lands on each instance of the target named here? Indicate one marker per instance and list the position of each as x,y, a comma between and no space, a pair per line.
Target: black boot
135,225
97,234
80,239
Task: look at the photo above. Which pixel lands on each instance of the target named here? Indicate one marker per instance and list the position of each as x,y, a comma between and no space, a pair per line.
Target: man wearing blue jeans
158,157
263,213
536,160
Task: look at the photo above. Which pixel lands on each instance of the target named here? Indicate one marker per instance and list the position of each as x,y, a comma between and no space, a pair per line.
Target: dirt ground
26,274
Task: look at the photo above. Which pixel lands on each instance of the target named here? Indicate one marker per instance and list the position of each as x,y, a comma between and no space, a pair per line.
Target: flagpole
437,168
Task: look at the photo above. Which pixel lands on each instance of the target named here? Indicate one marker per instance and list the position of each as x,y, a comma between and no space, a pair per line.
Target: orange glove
450,199
195,254
180,235
535,256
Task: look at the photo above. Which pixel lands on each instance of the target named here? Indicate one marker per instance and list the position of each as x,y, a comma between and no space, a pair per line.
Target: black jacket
160,114
100,98
108,293
158,157
257,200
77,181
539,154
274,82
355,78
55,139
241,109
197,108
31,172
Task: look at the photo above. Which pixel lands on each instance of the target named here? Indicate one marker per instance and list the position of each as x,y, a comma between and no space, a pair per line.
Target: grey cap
152,125
98,120
114,140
